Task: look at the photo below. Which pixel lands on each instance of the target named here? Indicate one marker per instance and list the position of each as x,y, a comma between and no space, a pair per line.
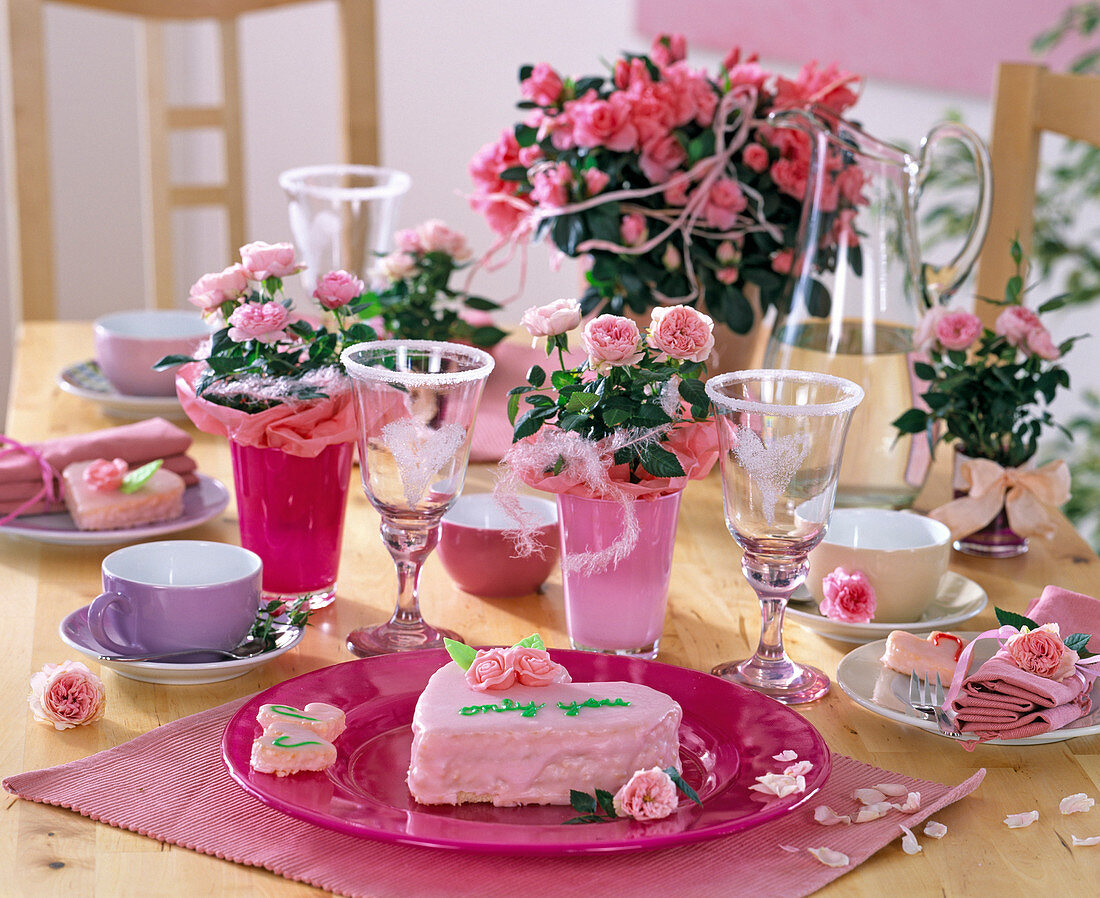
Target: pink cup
176,595
481,558
128,344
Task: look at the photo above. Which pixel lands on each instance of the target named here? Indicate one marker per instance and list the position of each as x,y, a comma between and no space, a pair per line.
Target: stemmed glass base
770,671
397,637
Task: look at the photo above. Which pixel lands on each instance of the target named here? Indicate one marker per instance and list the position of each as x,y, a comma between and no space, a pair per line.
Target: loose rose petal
1076,804
787,755
799,769
1019,821
826,816
779,784
868,796
793,849
909,842
894,790
873,812
911,804
1091,840
935,830
829,857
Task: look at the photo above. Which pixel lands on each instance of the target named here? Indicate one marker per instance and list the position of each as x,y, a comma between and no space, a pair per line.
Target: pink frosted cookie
326,721
937,654
291,750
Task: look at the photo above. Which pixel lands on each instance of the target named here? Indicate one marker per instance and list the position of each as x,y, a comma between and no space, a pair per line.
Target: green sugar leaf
134,480
461,653
534,641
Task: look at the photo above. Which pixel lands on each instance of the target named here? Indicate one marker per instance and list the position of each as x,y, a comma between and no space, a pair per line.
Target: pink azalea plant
989,389
669,177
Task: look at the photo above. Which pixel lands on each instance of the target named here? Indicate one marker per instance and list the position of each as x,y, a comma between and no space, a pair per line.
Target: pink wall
951,45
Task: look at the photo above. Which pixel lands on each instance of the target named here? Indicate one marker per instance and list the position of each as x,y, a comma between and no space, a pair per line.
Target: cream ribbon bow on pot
1027,496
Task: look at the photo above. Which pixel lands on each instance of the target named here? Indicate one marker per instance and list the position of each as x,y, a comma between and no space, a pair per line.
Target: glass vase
291,512
620,610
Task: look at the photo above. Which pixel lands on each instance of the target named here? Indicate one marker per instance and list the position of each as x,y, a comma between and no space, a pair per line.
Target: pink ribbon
50,483
1027,495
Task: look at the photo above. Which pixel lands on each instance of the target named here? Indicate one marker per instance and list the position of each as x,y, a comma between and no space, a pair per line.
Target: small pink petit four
326,721
936,654
97,503
291,749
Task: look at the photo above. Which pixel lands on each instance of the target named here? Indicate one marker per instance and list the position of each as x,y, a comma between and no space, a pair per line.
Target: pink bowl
480,558
128,344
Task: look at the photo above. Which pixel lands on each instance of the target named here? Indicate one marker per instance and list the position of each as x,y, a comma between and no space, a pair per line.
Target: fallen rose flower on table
66,695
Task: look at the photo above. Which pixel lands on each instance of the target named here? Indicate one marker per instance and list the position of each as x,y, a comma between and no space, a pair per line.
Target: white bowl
904,555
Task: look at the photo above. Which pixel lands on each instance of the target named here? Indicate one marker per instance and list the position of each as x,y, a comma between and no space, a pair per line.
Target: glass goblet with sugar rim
781,435
415,405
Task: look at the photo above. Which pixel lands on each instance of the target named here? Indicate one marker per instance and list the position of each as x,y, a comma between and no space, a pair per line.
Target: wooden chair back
31,220
1030,100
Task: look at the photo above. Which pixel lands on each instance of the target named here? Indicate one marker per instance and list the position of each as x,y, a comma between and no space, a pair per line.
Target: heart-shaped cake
533,744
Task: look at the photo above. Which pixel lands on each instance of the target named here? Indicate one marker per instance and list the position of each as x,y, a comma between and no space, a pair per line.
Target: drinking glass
416,401
781,435
342,215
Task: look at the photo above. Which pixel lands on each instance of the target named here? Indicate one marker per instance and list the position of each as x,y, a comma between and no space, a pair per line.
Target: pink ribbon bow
1027,496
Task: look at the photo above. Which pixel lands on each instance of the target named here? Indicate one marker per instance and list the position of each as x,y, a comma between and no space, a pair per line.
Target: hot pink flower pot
620,610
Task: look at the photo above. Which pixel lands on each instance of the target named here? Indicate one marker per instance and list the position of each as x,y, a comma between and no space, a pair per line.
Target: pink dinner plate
728,737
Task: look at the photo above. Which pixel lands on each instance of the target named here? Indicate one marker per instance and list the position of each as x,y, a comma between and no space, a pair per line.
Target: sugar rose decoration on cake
548,738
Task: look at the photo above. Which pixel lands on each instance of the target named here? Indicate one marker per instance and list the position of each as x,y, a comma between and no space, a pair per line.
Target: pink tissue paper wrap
297,428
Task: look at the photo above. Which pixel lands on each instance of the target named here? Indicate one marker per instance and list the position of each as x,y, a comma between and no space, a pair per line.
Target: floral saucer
86,381
74,632
958,600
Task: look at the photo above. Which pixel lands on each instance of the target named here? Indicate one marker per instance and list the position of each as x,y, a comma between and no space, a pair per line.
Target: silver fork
928,700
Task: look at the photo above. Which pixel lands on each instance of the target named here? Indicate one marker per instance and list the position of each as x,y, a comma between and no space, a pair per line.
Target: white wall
448,78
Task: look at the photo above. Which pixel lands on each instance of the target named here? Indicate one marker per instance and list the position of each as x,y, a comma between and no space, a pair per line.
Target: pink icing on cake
533,750
159,499
324,720
928,657
291,749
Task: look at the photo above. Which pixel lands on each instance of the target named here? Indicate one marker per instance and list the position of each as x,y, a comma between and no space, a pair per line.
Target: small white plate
885,692
86,381
202,501
74,632
959,599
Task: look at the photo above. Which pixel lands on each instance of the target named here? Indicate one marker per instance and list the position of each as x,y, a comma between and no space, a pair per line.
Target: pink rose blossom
611,341
655,109
104,476
727,252
681,332
790,176
491,669
632,74
781,261
1042,653
337,288
848,597
436,237
211,290
543,86
269,260
668,48
756,158
661,156
595,180
1040,343
1015,323
66,695
492,194
407,240
552,319
396,266
603,123
550,185
958,330
633,229
829,87
924,337
675,194
724,203
528,156
263,322
672,259
533,667
647,795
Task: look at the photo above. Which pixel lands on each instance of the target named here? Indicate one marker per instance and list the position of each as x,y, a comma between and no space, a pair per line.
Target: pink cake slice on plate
531,745
935,655
160,498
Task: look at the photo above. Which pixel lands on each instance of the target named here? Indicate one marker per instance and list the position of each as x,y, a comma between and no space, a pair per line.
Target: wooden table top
713,617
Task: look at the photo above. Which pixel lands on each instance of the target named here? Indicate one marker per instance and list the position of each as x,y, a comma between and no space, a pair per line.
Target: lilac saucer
728,737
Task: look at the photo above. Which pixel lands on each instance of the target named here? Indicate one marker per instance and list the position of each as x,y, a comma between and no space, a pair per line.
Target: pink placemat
170,784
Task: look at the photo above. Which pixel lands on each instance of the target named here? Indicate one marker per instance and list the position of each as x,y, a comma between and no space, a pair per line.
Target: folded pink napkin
21,474
171,784
1001,701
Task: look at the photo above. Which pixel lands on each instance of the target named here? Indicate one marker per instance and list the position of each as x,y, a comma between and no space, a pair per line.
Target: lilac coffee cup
176,595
